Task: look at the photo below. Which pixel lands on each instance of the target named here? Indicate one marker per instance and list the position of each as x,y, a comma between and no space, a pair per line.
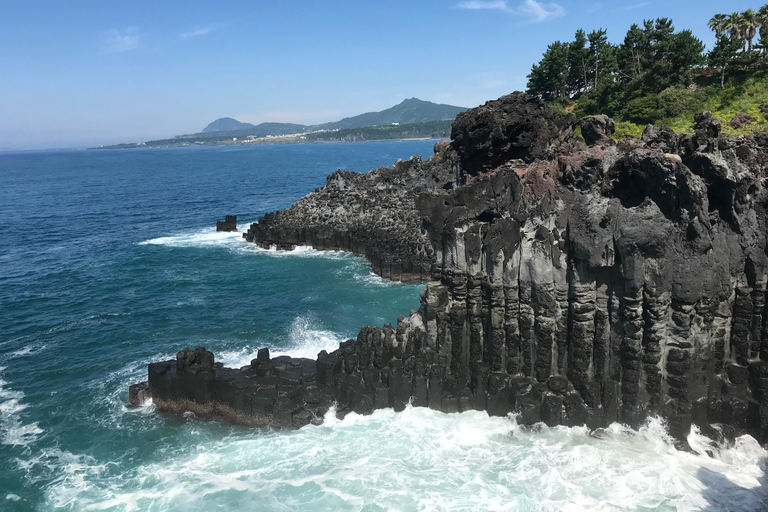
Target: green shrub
677,101
558,109
645,109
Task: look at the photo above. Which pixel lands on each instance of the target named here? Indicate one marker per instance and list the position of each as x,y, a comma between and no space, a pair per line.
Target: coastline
264,143
548,292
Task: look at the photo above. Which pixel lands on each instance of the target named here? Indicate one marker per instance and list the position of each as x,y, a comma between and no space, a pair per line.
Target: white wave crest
207,237
300,251
13,431
373,280
29,350
302,341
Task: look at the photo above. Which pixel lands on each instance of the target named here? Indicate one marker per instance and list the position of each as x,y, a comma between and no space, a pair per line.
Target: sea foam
302,340
421,459
13,431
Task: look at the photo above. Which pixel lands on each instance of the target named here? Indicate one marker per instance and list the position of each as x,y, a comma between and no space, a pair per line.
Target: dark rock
741,119
139,394
568,122
194,361
707,124
229,223
514,127
597,129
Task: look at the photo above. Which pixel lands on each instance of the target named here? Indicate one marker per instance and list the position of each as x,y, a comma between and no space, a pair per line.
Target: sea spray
421,459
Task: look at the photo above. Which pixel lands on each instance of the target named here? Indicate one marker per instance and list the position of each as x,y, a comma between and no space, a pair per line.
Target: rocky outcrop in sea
570,279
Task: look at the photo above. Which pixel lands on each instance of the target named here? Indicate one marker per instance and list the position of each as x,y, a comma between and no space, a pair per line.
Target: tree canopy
628,78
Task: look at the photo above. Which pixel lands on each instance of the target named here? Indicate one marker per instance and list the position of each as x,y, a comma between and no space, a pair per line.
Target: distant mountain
418,119
410,111
229,126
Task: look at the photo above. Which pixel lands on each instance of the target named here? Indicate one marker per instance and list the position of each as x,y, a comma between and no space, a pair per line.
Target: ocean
110,260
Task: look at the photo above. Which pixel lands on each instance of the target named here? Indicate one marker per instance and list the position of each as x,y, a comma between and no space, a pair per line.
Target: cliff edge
571,279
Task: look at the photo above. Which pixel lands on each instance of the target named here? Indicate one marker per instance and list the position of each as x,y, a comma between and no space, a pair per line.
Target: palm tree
719,22
734,26
749,23
762,18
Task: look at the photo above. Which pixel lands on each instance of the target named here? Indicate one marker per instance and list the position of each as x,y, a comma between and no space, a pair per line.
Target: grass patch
741,95
625,129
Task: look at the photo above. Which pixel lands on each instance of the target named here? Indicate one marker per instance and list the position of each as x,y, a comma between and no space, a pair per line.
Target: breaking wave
303,340
421,459
209,237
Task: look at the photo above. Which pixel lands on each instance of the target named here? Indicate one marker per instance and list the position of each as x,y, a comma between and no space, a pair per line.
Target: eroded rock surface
372,215
570,283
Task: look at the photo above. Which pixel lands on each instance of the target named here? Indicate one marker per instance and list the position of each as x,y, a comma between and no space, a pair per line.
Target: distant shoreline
260,143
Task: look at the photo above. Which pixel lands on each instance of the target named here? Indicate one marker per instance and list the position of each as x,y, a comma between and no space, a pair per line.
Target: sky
79,73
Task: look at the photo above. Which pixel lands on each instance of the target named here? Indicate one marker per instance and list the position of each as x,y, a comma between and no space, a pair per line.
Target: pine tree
724,53
578,63
548,78
602,57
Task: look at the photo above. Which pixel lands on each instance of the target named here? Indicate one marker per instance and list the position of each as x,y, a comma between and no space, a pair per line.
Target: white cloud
538,11
198,32
115,40
501,6
534,11
632,7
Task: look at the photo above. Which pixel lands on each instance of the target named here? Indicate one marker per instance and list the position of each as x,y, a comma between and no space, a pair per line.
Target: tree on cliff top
724,53
549,78
605,77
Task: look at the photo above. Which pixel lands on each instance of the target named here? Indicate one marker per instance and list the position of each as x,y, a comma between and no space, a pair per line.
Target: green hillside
233,127
410,111
226,124
662,76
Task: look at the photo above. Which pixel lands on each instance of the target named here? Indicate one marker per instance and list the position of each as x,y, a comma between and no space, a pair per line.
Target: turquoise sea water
109,260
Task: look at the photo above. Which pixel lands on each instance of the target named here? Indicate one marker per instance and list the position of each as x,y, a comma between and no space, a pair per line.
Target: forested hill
662,76
227,125
410,111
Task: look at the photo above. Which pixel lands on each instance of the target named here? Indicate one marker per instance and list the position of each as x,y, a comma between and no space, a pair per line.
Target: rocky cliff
372,215
571,279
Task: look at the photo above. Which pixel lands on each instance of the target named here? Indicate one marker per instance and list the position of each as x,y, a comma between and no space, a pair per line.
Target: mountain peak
226,124
409,111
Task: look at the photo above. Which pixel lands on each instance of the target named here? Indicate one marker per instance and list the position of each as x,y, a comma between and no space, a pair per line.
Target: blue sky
87,73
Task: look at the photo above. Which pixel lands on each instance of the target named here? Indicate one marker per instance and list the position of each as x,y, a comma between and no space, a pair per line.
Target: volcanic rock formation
572,281
228,224
372,215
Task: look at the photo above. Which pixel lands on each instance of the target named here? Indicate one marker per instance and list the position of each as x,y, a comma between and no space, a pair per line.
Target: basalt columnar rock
228,224
570,282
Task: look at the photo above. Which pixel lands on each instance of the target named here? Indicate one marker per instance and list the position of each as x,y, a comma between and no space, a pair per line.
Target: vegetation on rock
662,76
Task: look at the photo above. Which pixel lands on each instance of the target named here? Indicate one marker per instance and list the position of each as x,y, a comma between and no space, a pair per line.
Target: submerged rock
569,284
